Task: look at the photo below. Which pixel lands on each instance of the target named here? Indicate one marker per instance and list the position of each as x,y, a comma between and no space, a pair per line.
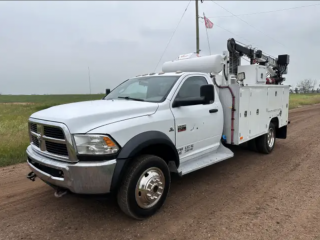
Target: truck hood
82,117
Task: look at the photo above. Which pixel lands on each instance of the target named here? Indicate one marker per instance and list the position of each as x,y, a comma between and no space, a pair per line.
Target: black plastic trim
136,145
118,172
145,139
93,158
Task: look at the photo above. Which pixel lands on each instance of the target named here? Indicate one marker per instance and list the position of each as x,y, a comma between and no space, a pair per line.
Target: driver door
198,127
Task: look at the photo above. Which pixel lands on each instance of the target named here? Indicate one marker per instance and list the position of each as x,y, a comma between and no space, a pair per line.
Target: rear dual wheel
265,143
145,187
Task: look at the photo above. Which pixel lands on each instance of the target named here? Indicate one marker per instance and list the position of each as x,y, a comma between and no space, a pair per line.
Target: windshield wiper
130,98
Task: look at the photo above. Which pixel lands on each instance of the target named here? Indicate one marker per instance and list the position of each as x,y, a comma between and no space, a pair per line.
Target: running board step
222,153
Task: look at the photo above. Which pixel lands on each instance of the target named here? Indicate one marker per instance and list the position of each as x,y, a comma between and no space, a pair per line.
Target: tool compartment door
274,98
243,115
285,107
257,109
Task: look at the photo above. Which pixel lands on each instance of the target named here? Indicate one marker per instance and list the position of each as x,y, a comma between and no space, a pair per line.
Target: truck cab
86,147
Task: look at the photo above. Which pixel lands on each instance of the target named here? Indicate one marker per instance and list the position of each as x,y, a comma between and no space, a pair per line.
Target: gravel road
250,196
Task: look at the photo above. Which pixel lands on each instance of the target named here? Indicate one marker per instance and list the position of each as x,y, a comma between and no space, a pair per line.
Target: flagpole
197,27
204,17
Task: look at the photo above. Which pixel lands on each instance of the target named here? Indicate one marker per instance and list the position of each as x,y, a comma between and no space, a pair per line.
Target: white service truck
180,120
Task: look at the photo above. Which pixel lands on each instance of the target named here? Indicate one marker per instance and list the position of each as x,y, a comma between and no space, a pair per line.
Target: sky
47,47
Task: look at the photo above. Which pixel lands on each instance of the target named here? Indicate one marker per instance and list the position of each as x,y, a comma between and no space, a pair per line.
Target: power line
247,23
172,36
216,25
279,10
245,44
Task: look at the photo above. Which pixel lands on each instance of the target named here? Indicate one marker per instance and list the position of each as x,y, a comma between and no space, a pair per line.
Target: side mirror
107,91
207,91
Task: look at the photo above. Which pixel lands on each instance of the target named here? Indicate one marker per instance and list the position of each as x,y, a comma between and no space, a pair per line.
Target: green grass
14,119
48,99
299,100
14,116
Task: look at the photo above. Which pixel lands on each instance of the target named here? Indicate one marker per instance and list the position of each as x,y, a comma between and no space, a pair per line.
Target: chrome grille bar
52,140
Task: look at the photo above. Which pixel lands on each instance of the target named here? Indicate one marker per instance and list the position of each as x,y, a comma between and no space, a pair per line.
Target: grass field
14,114
15,111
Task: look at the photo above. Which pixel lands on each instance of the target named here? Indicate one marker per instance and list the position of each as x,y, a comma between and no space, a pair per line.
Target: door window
191,87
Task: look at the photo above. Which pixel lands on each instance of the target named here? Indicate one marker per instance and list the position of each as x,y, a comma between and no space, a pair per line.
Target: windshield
149,89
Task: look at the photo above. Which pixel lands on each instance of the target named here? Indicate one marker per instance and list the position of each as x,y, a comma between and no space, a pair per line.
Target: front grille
57,148
35,141
33,127
51,141
53,132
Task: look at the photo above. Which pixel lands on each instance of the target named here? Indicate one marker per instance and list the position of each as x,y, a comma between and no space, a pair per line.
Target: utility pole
197,27
89,79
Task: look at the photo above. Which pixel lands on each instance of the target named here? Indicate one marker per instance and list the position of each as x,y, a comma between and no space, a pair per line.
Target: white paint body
124,119
255,107
255,74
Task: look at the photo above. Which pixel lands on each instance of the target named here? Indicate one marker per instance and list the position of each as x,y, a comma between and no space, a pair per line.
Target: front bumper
81,177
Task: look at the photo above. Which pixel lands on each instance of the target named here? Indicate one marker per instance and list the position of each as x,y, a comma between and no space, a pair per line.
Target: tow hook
60,192
31,176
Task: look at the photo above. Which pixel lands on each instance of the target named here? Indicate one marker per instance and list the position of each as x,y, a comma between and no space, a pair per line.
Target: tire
133,200
265,143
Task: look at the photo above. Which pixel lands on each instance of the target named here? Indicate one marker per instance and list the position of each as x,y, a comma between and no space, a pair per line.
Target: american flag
208,23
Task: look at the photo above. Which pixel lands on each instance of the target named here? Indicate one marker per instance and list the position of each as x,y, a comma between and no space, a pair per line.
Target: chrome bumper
81,177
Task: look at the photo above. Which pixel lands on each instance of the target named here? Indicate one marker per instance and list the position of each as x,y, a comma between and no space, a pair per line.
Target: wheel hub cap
150,187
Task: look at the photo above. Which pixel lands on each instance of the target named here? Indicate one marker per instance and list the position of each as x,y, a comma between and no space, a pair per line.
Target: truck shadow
185,191
211,174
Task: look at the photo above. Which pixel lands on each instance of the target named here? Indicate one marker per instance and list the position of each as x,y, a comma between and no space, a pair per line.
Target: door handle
213,110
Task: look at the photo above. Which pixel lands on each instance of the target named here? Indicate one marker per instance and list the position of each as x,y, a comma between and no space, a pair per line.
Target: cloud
47,47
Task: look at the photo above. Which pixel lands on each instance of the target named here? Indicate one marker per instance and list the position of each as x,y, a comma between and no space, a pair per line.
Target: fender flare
136,145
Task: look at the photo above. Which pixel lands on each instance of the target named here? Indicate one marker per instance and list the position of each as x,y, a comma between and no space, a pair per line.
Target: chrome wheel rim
150,187
270,137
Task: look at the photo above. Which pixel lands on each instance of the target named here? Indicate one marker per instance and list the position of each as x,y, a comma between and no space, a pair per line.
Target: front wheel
145,187
266,142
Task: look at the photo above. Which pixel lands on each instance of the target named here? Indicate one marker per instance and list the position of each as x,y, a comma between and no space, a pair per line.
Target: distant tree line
306,86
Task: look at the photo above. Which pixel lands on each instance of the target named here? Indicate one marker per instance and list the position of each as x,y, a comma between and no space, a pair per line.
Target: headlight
95,145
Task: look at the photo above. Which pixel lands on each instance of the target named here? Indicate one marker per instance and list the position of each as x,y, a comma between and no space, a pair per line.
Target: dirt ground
251,196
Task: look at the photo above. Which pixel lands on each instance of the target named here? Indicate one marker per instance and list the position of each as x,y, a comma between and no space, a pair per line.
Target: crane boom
275,66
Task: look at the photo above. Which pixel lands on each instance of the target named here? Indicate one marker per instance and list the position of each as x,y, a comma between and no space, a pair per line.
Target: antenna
89,79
